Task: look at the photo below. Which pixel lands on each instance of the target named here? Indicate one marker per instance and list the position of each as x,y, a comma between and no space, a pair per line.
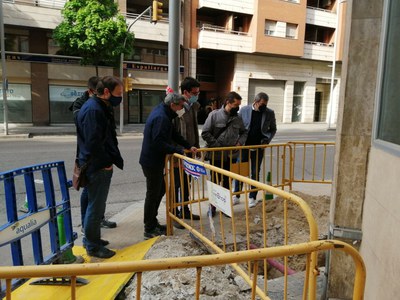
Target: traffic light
157,11
128,84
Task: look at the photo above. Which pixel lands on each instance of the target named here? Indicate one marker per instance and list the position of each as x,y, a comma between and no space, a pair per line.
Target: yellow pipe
138,284
192,262
198,280
293,198
308,142
73,287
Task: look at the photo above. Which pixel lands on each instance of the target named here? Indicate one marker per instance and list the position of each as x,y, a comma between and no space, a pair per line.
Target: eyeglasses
195,94
179,105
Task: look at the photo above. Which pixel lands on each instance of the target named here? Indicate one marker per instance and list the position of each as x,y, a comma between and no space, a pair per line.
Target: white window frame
379,143
271,29
291,27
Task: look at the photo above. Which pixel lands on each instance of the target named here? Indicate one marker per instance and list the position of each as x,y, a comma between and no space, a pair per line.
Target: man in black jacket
75,107
98,148
158,141
77,104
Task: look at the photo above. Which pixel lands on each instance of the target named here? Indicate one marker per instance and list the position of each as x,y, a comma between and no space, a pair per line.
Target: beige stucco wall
366,186
60,72
272,68
380,226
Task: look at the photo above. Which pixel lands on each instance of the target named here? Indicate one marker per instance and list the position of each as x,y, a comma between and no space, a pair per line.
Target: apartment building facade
288,49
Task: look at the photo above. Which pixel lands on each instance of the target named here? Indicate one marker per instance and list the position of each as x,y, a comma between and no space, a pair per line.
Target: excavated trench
222,282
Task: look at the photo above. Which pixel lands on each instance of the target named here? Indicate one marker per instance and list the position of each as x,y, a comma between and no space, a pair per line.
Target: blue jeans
99,185
84,205
255,165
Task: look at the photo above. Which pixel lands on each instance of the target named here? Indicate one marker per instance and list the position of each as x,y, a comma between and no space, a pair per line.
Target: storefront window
141,103
61,98
19,104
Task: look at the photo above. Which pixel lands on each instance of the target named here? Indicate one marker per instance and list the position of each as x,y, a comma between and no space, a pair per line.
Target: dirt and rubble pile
222,282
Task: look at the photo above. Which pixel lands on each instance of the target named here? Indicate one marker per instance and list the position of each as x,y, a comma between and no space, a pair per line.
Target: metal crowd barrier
198,262
221,233
305,157
216,171
35,218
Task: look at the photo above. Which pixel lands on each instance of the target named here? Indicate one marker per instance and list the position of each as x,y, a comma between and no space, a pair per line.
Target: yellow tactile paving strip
99,286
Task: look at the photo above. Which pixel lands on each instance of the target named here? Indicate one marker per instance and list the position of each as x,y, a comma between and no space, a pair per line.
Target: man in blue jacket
158,141
98,148
260,122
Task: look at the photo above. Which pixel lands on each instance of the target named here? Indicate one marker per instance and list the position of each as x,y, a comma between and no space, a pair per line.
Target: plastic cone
268,195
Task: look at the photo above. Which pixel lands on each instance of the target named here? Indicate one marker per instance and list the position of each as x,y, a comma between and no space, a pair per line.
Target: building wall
27,15
230,75
381,211
279,11
365,193
290,70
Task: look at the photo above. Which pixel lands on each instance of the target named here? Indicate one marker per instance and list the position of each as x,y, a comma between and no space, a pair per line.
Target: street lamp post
173,45
331,100
4,73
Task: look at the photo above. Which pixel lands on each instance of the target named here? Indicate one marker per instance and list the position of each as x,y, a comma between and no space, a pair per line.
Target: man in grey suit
260,123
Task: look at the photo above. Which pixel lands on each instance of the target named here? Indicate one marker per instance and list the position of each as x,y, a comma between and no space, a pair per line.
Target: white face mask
180,112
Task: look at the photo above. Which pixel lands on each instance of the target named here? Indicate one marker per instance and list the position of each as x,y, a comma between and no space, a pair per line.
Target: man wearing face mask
186,125
159,139
75,107
98,148
224,128
260,122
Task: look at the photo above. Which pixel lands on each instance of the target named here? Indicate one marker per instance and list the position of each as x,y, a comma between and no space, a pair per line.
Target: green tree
95,31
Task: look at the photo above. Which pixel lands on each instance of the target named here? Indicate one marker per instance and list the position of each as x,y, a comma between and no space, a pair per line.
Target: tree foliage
94,30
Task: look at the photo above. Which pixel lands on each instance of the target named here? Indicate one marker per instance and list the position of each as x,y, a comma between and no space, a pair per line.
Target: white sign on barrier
24,227
219,197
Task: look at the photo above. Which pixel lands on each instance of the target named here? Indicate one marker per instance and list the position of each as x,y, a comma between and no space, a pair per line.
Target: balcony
58,4
242,6
144,30
320,17
218,38
318,51
33,13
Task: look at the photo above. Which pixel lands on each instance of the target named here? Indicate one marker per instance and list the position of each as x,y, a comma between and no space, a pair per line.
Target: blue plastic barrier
38,218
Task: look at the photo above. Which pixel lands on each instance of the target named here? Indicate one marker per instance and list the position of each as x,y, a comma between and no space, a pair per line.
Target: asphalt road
127,186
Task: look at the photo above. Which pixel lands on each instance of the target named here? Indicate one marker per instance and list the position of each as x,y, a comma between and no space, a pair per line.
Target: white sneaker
236,200
252,202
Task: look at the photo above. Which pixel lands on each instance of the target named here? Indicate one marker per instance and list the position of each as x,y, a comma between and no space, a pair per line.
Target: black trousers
216,177
155,191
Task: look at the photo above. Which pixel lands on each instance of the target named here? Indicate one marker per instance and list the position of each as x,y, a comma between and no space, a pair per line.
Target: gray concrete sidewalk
28,130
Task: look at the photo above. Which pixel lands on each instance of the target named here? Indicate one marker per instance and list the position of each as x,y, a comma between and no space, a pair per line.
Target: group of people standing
171,127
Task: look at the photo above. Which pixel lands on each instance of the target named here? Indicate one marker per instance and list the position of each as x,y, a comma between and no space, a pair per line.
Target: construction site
275,250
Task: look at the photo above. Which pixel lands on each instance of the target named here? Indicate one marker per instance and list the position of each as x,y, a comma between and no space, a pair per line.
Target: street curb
16,136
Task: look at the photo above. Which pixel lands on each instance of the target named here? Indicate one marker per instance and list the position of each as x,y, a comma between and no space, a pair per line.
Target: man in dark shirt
261,125
75,108
159,139
98,148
